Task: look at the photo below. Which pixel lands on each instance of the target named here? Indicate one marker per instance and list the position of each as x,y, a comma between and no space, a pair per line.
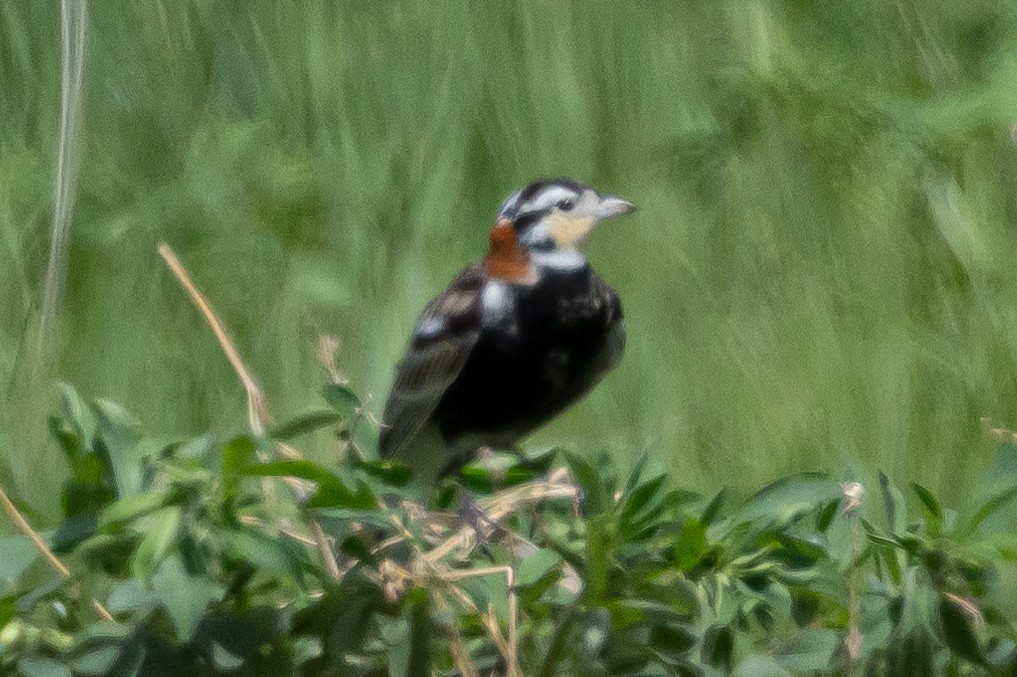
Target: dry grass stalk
54,562
510,649
968,607
460,655
999,432
328,346
430,568
257,410
853,492
500,506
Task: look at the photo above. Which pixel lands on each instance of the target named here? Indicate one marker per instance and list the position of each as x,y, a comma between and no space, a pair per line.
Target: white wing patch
496,302
430,327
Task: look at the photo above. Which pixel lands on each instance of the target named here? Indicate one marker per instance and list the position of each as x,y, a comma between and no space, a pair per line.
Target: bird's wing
615,320
444,336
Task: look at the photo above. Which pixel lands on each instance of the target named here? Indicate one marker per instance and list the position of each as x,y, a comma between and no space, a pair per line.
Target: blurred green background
820,276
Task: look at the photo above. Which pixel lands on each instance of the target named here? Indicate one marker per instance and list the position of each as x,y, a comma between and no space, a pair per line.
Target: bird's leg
472,514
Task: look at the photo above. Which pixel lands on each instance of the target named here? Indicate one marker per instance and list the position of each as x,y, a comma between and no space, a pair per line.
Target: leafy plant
203,557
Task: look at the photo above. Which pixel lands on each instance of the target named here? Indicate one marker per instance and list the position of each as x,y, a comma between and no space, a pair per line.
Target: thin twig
24,527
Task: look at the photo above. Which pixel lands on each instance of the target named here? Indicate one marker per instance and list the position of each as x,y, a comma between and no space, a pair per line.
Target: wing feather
445,334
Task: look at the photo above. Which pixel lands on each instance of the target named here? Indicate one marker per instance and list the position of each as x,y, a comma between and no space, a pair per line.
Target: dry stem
257,411
24,527
853,641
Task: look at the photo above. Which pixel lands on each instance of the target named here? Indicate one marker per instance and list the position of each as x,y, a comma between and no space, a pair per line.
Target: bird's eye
566,204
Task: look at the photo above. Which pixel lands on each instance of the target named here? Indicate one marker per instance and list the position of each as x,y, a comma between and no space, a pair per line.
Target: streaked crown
558,213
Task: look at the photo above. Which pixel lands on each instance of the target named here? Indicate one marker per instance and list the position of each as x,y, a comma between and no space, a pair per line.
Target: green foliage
204,560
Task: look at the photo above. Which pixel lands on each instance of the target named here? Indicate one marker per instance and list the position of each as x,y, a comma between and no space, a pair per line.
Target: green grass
820,276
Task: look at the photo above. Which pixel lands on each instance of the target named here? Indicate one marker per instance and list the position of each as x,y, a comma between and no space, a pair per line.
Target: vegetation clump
207,557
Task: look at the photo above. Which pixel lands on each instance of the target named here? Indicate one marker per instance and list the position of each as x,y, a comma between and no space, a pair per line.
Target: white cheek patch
496,302
536,233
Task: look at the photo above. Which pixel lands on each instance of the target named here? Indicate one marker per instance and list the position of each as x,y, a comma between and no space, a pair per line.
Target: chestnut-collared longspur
514,340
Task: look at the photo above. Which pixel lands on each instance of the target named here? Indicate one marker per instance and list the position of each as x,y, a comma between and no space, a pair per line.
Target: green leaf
958,631
121,437
130,595
305,423
594,631
396,634
223,660
96,660
645,498
595,497
77,415
365,437
786,498
712,510
42,667
420,634
477,478
336,495
597,560
893,504
237,454
299,468
344,400
197,448
809,651
184,597
341,617
16,554
261,552
931,507
760,666
131,507
45,590
1002,474
691,544
718,647
331,492
392,473
541,563
68,440
160,532
988,510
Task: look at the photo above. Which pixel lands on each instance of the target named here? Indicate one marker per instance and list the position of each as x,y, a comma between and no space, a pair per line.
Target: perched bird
514,340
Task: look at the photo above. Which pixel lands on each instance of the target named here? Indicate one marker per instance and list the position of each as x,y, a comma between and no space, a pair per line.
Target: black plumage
495,356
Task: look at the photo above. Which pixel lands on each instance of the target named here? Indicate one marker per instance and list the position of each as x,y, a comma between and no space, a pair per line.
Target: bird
514,340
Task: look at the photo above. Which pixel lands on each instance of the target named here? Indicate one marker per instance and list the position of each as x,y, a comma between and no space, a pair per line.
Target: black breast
565,335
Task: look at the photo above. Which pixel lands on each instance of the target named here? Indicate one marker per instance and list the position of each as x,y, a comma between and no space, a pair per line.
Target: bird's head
544,226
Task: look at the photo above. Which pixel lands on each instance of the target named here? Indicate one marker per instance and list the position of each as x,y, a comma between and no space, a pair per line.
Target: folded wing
445,334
